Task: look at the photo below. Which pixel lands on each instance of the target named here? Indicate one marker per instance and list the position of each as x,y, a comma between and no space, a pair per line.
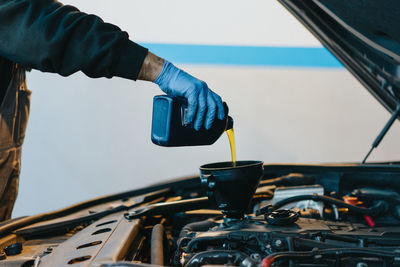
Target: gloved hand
202,102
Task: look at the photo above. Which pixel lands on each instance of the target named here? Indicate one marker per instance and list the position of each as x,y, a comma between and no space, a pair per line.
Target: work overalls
14,112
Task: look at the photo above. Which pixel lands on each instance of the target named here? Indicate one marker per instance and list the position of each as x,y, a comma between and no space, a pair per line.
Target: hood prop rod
383,132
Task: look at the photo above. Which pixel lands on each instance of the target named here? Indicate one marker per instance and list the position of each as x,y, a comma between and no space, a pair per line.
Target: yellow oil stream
231,138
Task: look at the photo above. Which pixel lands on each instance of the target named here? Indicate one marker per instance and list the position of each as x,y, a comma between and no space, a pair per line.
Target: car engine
296,220
299,215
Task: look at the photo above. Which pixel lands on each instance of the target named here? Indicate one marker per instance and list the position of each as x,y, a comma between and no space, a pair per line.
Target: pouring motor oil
231,137
169,128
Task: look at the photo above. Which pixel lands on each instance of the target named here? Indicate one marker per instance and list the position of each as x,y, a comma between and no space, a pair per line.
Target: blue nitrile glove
176,82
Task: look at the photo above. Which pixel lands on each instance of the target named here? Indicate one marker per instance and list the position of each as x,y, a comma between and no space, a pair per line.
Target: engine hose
328,253
221,257
201,226
157,245
291,179
378,208
194,242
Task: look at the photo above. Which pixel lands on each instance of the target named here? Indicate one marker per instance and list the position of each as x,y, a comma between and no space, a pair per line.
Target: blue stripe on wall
246,55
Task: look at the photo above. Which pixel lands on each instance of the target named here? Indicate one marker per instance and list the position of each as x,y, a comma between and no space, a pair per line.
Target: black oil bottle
169,128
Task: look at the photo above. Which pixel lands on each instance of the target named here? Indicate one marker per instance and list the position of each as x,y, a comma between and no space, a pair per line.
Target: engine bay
301,219
300,215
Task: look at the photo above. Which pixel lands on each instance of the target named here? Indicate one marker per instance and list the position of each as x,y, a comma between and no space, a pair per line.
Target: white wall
89,137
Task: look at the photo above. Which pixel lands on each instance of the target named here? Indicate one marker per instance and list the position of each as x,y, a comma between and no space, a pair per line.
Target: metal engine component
287,192
282,217
13,249
257,239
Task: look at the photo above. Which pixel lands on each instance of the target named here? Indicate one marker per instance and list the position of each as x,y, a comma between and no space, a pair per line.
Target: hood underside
364,35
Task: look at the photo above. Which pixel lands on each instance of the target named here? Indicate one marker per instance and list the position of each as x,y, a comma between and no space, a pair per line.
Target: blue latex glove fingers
220,106
192,107
211,108
176,82
201,107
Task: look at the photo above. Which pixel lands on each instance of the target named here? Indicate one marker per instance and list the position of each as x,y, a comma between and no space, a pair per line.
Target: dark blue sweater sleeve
52,37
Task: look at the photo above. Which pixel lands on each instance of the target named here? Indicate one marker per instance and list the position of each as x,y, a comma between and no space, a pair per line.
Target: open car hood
363,35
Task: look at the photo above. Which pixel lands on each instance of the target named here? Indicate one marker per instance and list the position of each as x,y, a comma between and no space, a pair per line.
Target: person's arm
51,37
151,67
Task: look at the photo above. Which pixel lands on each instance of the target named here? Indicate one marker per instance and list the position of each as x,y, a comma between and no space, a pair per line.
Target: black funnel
231,187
